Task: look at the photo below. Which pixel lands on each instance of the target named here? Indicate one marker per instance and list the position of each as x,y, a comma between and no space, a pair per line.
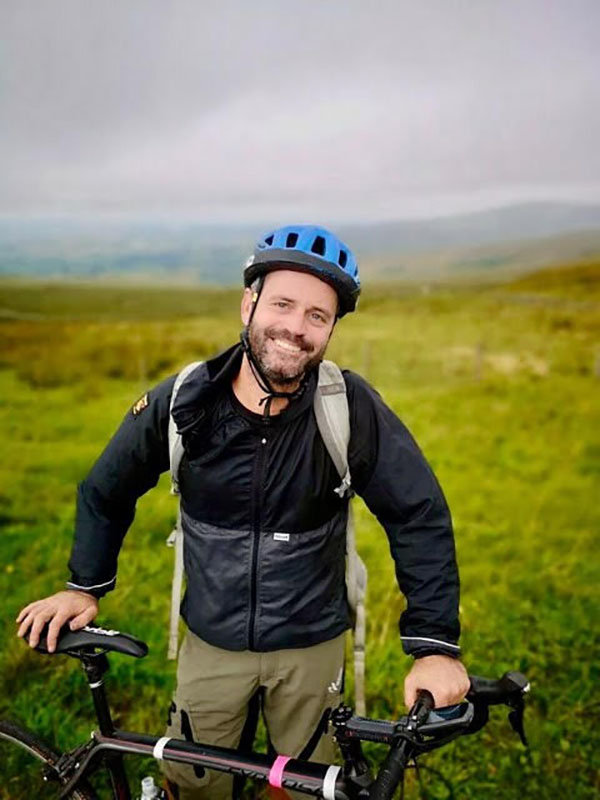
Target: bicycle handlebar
425,728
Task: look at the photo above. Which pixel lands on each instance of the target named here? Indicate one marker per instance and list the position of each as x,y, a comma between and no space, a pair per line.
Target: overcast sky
328,111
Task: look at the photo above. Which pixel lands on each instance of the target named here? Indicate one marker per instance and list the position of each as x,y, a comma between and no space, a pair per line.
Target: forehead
301,286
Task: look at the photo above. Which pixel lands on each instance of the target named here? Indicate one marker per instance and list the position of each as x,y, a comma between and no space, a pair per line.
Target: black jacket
264,531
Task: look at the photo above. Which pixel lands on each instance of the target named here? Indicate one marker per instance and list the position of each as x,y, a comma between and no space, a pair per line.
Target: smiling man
264,530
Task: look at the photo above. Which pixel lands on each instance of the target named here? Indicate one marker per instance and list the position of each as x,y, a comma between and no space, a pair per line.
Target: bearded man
264,531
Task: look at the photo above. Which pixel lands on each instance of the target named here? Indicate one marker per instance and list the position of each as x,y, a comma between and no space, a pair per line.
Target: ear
246,308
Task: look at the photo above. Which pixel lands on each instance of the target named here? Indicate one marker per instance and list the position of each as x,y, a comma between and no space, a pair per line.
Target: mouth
287,347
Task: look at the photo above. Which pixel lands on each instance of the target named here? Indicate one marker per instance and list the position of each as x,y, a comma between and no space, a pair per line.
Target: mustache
282,333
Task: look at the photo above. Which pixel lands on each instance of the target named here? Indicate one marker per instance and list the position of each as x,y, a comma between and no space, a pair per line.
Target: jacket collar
204,384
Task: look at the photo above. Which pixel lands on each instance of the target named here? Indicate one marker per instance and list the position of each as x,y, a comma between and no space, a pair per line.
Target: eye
317,317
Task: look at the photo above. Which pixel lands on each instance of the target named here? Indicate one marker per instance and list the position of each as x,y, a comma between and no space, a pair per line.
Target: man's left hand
445,677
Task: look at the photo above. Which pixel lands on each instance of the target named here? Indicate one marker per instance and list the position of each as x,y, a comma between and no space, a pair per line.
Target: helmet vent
269,240
343,258
291,240
318,246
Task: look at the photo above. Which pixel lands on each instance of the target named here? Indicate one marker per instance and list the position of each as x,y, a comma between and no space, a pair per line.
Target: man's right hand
77,608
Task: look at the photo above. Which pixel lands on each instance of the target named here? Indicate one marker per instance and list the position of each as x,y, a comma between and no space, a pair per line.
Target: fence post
142,366
366,359
478,361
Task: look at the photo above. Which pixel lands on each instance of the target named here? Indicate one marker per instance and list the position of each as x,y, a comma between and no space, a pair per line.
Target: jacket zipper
256,521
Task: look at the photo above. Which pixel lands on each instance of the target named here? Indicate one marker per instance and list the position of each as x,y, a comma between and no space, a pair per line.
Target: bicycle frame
320,780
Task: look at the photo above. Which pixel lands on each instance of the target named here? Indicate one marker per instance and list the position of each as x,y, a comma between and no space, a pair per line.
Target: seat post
95,665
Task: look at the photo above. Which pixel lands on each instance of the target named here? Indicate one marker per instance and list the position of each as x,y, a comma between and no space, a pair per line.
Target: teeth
291,348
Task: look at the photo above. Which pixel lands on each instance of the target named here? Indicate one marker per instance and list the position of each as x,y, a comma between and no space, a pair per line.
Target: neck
249,393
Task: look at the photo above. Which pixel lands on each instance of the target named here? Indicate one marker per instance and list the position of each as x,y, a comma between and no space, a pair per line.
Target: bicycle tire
32,779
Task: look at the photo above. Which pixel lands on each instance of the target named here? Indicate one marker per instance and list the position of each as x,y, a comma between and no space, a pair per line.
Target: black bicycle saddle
89,638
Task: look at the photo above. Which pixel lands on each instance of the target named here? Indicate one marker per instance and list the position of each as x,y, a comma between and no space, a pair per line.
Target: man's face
291,326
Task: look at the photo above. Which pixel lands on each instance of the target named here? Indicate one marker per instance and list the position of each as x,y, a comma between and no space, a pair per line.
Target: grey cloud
231,107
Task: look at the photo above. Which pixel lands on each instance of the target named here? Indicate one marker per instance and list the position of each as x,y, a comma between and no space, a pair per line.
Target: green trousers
216,690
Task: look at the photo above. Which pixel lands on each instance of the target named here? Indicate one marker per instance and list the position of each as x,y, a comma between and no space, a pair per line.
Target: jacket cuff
95,589
432,651
420,646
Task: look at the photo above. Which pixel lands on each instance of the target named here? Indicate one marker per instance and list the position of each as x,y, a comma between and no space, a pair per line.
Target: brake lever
516,717
420,710
516,720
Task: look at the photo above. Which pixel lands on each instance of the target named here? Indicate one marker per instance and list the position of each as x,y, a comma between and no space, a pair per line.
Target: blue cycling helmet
307,248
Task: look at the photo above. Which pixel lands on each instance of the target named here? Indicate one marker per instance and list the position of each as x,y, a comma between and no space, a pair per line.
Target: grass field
499,385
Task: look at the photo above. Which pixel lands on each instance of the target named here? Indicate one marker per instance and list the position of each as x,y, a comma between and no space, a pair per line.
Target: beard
279,369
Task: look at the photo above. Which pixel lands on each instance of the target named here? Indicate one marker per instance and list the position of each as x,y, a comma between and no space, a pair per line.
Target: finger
457,695
439,698
39,621
54,629
23,612
26,624
451,693
83,619
410,694
443,698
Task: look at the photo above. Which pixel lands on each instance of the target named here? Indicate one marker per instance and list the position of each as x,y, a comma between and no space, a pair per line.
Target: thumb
410,693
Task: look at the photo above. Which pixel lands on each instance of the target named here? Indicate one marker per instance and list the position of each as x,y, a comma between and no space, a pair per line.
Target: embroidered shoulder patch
141,404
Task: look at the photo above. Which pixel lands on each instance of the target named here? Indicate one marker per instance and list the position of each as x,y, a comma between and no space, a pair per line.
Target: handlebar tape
393,767
391,772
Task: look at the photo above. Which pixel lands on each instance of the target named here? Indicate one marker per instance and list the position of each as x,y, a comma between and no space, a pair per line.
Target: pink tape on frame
276,773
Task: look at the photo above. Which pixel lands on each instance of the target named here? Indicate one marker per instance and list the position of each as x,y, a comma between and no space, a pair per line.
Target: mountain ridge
517,236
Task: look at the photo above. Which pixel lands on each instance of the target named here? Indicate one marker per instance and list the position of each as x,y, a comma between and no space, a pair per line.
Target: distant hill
492,260
517,237
510,223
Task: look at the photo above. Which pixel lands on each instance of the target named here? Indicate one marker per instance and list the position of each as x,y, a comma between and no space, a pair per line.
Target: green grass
502,396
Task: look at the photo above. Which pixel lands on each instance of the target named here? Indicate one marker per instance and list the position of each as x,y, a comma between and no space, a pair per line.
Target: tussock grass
502,396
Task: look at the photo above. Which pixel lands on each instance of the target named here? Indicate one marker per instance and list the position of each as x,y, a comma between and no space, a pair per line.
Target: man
264,531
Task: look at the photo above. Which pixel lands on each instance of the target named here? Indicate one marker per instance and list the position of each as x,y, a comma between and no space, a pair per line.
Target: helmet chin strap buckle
345,487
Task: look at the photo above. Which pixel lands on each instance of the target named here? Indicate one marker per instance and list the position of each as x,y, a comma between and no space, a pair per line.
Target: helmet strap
256,293
262,380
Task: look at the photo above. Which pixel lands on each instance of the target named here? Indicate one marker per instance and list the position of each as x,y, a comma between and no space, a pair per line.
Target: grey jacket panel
301,593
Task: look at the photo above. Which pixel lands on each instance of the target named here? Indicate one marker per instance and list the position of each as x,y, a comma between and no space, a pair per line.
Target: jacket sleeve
130,465
397,484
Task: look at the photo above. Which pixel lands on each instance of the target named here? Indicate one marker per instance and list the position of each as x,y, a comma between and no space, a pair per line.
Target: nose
296,323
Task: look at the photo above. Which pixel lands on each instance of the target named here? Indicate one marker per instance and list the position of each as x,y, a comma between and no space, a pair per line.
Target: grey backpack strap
356,587
176,537
175,445
333,420
175,540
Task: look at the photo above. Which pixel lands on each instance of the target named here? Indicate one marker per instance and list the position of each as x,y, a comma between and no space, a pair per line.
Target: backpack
333,420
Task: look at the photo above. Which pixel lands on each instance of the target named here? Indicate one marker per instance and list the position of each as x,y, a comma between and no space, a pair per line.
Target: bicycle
422,730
